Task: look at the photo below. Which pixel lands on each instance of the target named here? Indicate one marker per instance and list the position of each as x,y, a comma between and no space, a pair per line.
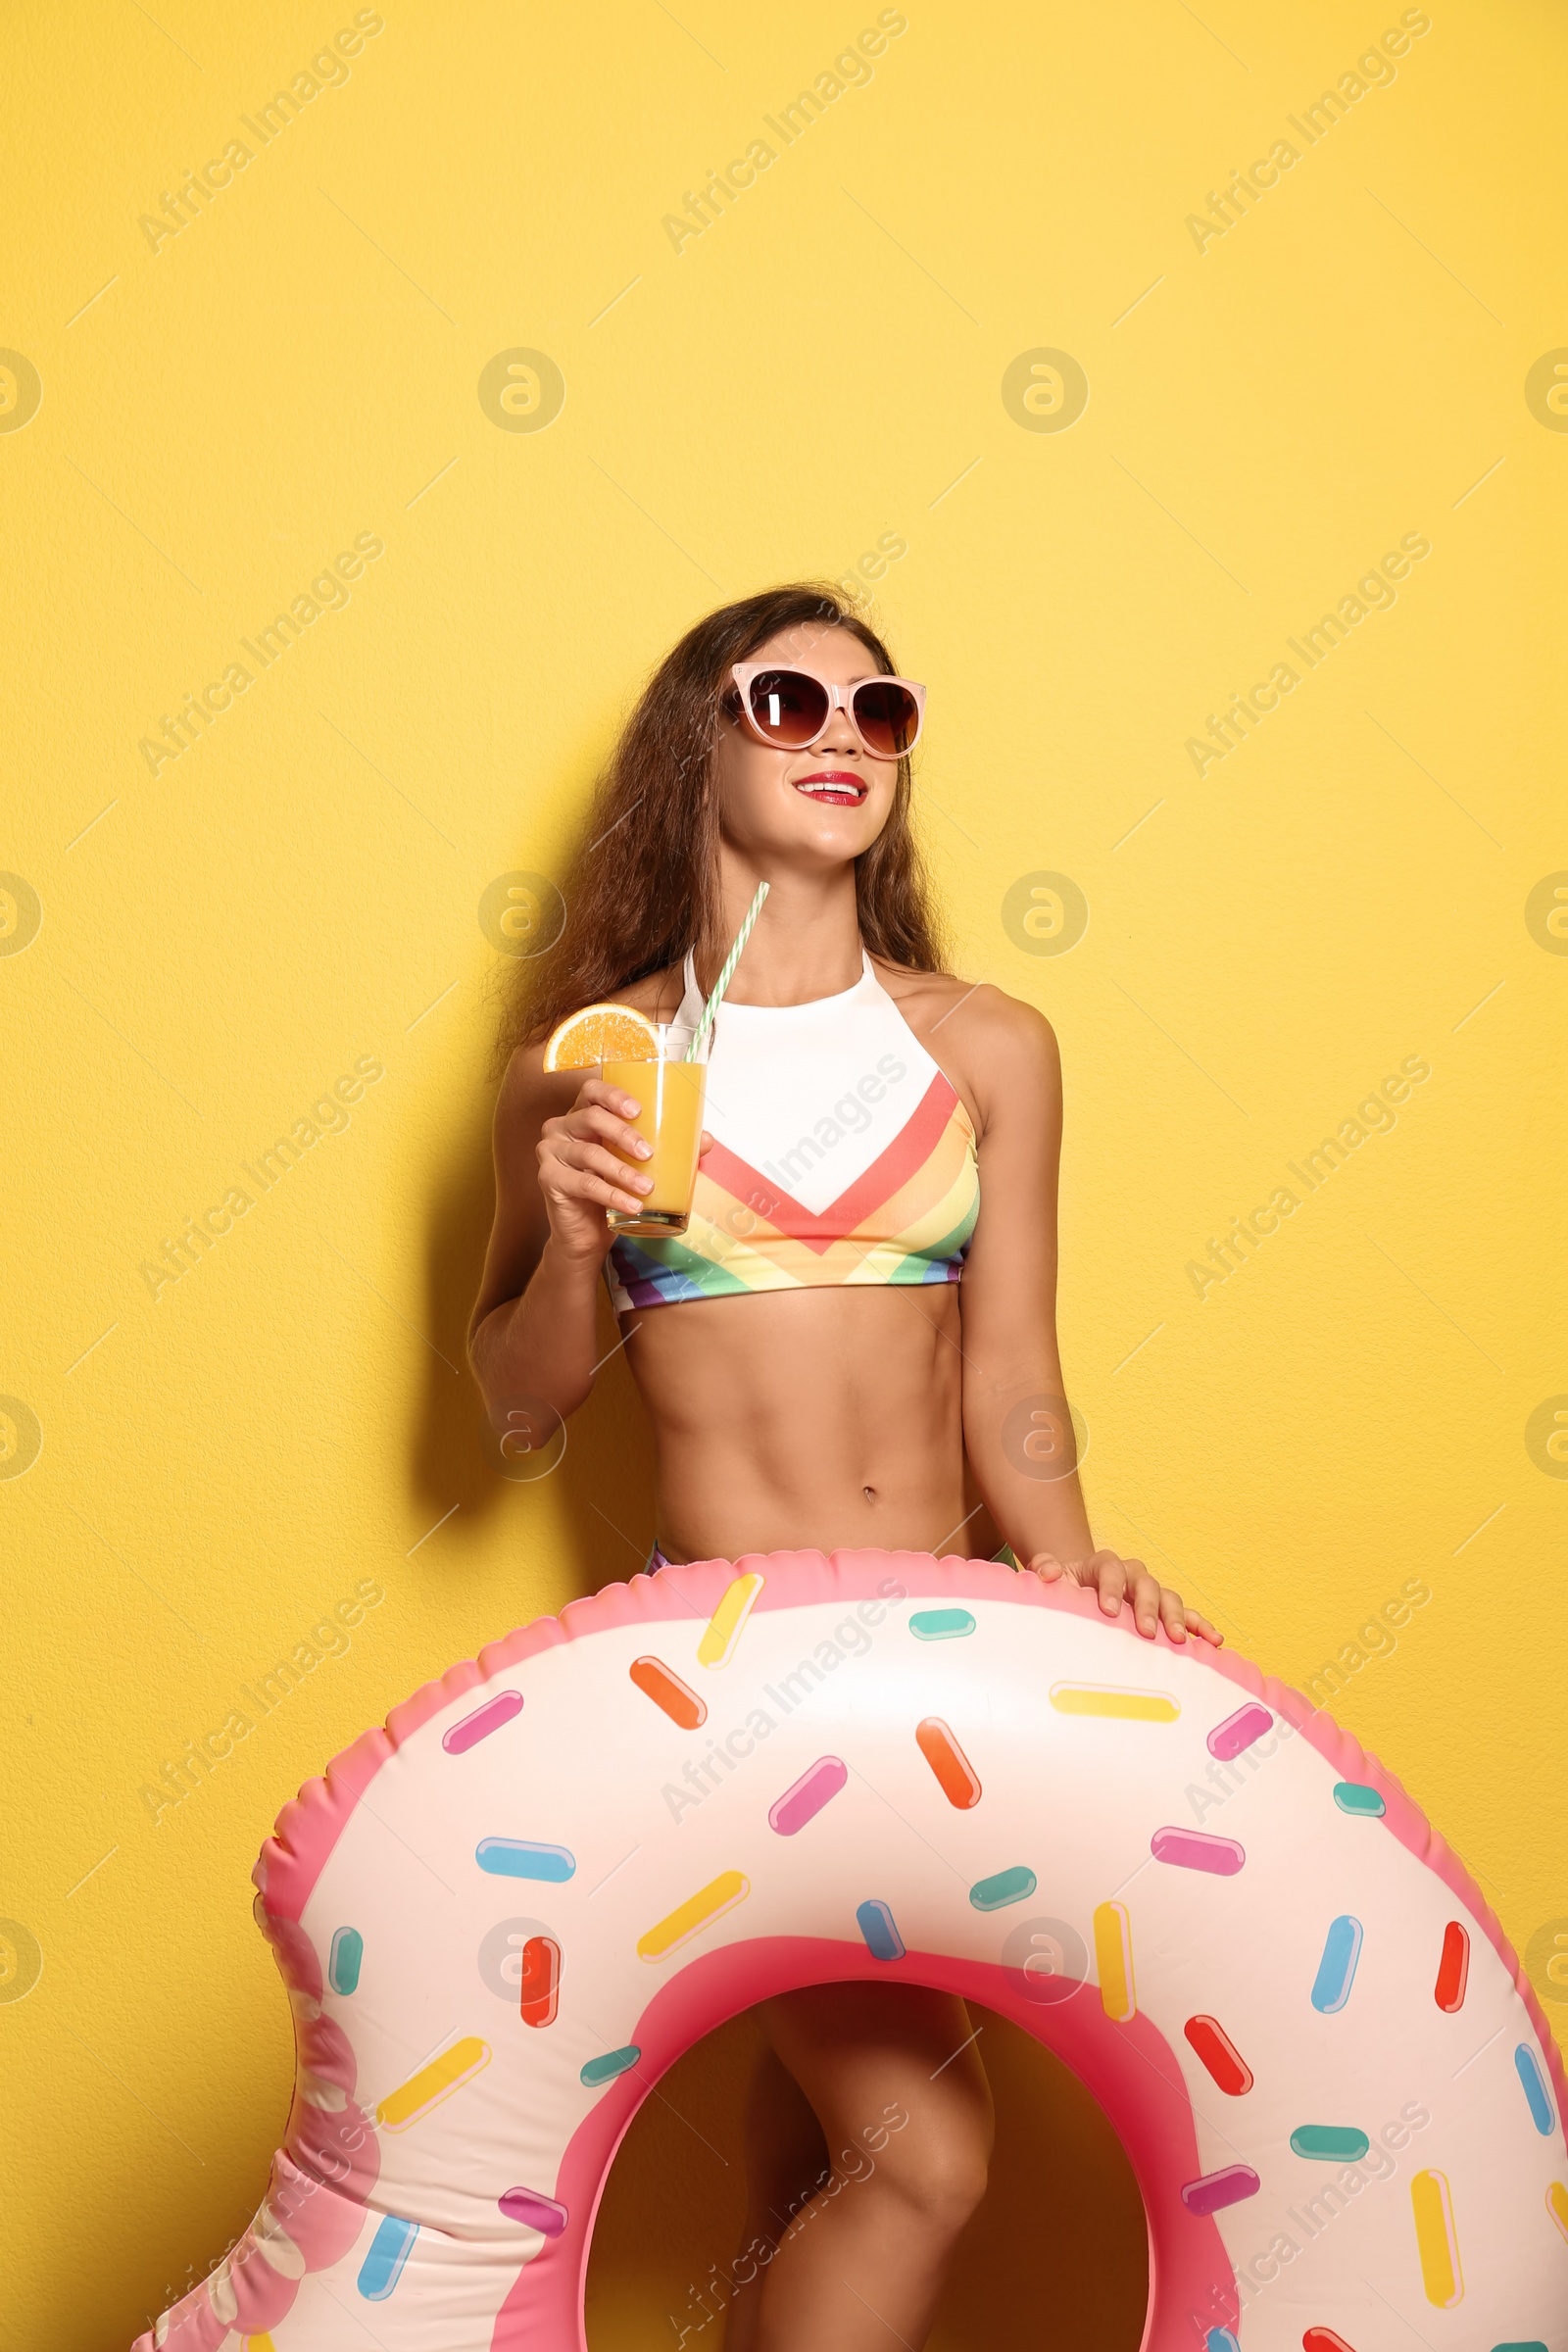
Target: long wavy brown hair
643,884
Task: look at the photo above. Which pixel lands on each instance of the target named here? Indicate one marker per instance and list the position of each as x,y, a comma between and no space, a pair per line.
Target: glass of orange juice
671,1091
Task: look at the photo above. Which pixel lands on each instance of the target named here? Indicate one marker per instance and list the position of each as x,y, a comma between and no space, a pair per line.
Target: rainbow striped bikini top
841,1154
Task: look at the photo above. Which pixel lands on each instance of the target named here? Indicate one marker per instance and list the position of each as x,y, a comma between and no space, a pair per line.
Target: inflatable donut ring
504,1916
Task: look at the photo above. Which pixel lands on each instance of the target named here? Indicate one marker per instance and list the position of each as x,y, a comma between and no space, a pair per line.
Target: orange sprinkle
667,1690
957,1776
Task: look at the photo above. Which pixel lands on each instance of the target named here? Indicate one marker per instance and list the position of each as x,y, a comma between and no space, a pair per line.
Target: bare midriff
811,1419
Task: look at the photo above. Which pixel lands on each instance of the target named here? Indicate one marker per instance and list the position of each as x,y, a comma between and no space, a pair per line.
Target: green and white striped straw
727,975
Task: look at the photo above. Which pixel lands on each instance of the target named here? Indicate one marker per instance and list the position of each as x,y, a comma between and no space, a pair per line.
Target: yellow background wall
190,432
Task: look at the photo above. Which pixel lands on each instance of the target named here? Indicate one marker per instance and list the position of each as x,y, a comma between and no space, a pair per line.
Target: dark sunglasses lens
787,707
887,717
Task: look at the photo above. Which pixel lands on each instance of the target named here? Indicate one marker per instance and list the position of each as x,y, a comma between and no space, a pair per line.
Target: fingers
583,1156
593,1092
1148,1596
1116,1579
1172,1613
601,1176
1108,1572
603,1119
581,1186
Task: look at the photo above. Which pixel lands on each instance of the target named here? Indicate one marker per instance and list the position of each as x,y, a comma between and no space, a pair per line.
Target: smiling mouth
836,786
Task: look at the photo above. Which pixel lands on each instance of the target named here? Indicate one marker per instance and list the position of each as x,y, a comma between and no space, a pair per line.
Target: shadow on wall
602,1487
1057,2257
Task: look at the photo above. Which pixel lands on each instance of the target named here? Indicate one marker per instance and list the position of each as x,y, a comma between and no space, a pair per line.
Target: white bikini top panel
811,1095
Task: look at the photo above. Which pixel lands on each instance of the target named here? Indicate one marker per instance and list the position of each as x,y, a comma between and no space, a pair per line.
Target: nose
841,737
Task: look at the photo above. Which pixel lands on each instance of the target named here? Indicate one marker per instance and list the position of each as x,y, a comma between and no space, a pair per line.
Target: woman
842,1349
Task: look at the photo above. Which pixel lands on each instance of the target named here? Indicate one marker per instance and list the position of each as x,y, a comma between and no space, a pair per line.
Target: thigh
875,2059
786,2155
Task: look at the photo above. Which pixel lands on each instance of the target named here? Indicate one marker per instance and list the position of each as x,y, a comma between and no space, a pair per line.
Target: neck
804,944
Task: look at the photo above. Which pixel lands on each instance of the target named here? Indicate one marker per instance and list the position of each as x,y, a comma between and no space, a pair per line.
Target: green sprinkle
345,1960
1005,1886
613,2063
1333,2142
941,1625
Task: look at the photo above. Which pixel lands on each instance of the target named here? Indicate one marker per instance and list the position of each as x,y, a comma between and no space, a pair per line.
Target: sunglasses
793,709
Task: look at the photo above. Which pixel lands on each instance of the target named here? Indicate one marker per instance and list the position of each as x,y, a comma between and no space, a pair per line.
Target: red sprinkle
1323,2339
1453,1969
540,1981
1219,2054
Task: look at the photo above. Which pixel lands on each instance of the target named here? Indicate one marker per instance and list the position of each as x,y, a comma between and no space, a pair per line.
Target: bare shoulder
1004,1024
658,993
530,1092
986,1040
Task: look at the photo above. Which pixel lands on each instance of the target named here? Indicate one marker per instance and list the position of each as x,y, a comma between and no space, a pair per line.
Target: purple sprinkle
1197,1849
809,1793
482,1722
1239,1730
1216,2189
542,2213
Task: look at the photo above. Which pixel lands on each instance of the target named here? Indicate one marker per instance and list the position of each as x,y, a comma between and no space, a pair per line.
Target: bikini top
841,1154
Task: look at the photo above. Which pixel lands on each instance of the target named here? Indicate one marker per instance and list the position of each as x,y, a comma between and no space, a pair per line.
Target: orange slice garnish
602,1032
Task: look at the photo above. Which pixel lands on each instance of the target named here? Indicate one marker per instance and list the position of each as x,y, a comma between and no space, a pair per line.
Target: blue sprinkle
1528,2067
1002,1887
382,2267
520,1858
879,1929
941,1625
1351,1796
1220,2339
343,1964
1336,1971
1534,2345
612,2064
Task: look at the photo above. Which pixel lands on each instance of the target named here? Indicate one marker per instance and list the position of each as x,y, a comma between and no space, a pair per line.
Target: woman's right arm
531,1333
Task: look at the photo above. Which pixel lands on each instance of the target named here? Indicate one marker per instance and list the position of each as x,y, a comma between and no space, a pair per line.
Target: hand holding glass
671,1092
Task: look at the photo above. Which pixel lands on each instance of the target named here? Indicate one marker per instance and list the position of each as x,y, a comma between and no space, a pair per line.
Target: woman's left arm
1017,1427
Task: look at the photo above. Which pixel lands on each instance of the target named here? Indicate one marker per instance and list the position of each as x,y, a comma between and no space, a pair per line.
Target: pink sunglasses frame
839,697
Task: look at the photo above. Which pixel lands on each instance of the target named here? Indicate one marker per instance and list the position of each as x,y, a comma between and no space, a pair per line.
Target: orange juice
671,1096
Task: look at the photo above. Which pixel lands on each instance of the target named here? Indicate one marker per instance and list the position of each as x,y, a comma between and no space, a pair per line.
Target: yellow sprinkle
432,2082
1435,2238
1100,1698
720,1894
723,1629
1557,2204
260,2344
1113,1956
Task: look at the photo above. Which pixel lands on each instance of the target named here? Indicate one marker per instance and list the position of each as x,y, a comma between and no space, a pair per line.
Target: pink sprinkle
1196,1849
1239,1730
541,2212
810,1792
482,1722
1216,2189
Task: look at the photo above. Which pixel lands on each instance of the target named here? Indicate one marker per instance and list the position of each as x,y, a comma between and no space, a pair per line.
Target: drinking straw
726,974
